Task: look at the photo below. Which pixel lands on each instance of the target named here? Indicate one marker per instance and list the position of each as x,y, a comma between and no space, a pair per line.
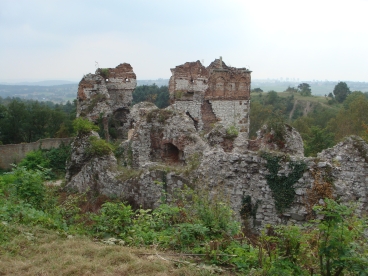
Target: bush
113,219
83,126
53,159
34,160
232,132
29,186
57,157
98,147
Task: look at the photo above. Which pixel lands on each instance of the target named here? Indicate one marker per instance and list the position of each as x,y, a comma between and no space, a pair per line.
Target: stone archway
171,154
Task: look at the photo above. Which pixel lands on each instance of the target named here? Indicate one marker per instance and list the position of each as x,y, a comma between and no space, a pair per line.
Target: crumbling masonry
105,97
192,135
217,93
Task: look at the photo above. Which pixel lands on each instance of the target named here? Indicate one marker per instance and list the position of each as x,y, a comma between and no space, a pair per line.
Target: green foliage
29,121
317,140
104,72
112,220
98,147
257,90
128,173
340,246
304,89
53,159
152,93
160,115
259,115
351,98
192,222
276,126
232,132
95,100
34,160
350,121
281,185
29,186
341,91
57,157
291,89
83,126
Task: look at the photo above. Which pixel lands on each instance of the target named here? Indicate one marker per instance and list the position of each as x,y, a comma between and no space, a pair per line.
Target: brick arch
220,87
243,86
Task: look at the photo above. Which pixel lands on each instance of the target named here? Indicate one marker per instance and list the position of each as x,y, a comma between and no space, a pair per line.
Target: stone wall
192,87
14,153
234,176
107,96
232,113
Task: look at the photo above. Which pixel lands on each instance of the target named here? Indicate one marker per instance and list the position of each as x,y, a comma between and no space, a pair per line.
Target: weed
232,132
84,126
104,72
98,147
160,115
128,173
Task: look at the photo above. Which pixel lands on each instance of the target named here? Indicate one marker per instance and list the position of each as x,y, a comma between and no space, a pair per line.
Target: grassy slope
304,101
36,251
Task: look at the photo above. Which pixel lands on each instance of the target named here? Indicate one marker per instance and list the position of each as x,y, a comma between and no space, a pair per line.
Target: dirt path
307,109
292,111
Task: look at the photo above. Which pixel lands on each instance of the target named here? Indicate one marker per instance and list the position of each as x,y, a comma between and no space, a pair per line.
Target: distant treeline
152,93
29,120
321,121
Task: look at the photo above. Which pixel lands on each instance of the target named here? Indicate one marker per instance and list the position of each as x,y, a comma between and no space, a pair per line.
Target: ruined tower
217,93
107,96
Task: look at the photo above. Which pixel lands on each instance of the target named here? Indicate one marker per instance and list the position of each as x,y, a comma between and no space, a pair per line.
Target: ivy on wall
281,185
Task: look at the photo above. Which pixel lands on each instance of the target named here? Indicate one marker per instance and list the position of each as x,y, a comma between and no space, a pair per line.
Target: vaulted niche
171,154
118,124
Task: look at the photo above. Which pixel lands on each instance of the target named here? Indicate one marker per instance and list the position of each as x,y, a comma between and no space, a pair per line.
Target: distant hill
318,87
55,93
41,83
61,90
158,82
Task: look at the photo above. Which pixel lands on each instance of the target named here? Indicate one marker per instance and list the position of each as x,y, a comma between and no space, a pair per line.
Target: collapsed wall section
232,113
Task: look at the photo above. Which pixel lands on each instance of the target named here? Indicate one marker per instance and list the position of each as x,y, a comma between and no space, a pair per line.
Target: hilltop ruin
201,140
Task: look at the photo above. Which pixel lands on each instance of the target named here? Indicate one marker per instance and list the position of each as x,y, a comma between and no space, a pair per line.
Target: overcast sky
306,40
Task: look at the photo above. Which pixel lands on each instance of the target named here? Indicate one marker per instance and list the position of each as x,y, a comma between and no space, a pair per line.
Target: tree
304,89
259,114
351,98
350,121
318,140
257,90
341,91
291,89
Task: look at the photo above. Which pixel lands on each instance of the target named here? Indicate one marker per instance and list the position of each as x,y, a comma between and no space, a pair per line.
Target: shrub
83,126
113,219
53,159
98,147
57,157
232,132
34,160
29,186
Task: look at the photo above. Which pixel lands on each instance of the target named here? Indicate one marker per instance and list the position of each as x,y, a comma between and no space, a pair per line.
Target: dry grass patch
36,251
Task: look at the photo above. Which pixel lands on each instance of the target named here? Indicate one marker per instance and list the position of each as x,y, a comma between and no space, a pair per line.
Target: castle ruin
217,93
